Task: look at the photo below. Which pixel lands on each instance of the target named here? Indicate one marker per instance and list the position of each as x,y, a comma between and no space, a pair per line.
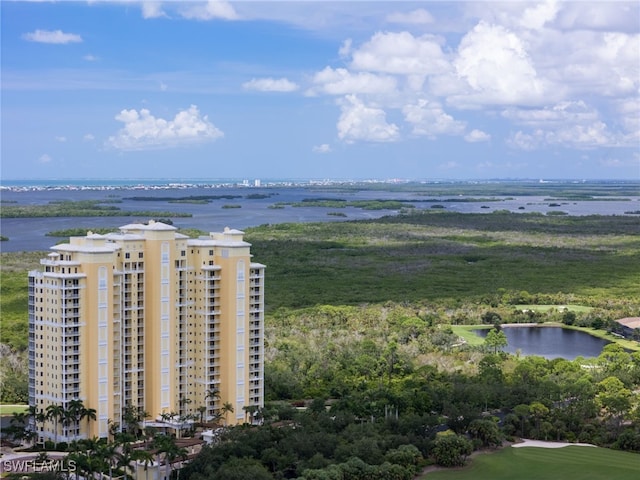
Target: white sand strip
539,443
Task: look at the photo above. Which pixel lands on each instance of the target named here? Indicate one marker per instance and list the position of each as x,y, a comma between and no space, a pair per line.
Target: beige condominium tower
149,318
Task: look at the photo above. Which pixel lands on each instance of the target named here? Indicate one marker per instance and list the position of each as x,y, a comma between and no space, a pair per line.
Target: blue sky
310,89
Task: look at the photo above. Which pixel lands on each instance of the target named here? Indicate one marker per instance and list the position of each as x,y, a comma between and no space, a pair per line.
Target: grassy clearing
533,463
466,332
11,409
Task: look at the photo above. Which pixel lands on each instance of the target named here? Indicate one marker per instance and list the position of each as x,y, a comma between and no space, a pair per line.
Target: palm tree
250,410
75,409
89,414
20,419
55,413
89,459
212,393
184,401
259,414
227,407
78,459
67,419
201,410
19,425
110,453
132,416
145,457
125,458
40,417
167,446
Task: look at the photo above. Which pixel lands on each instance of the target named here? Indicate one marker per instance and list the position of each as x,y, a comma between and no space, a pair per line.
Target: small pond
550,342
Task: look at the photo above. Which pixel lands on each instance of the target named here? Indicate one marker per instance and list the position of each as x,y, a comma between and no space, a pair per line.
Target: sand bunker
540,443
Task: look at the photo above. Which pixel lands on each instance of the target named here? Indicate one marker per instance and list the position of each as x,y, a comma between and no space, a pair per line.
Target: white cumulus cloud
143,131
152,9
571,124
341,81
476,135
429,119
560,114
588,62
629,113
52,36
581,136
361,122
45,158
536,16
270,85
210,10
419,17
498,69
324,148
401,53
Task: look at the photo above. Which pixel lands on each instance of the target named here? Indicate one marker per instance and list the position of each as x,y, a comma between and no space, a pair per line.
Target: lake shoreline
475,339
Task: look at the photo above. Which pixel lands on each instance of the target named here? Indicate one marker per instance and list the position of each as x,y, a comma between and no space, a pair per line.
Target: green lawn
11,409
467,333
533,463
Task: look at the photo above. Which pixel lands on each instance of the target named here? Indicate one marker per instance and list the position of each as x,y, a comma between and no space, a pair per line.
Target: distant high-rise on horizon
150,318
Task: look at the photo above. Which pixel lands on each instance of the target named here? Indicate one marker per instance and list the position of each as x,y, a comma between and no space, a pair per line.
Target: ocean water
28,234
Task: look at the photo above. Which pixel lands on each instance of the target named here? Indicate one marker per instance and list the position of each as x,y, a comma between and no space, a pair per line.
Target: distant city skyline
313,90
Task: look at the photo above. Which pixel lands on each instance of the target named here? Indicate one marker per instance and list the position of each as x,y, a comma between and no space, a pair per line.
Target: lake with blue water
550,342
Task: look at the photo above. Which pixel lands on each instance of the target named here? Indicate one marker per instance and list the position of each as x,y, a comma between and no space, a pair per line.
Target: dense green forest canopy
358,331
449,257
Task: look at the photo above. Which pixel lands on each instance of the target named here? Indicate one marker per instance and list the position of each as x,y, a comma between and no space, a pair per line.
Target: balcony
72,388
70,296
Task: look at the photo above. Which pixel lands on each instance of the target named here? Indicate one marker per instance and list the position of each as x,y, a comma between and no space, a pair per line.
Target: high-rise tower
149,318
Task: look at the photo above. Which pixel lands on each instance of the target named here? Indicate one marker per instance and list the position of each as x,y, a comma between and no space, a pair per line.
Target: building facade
149,318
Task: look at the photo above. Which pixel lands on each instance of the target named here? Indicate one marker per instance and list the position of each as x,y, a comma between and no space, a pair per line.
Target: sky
320,90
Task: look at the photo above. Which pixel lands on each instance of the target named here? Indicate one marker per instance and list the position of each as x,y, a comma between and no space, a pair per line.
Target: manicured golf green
534,463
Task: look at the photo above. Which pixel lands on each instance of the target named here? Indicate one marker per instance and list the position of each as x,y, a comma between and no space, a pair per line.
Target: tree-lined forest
366,377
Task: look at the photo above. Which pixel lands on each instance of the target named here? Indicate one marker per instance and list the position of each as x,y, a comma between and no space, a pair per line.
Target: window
127,255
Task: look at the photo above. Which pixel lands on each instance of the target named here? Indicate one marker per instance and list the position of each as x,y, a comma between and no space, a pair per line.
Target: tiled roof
630,322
